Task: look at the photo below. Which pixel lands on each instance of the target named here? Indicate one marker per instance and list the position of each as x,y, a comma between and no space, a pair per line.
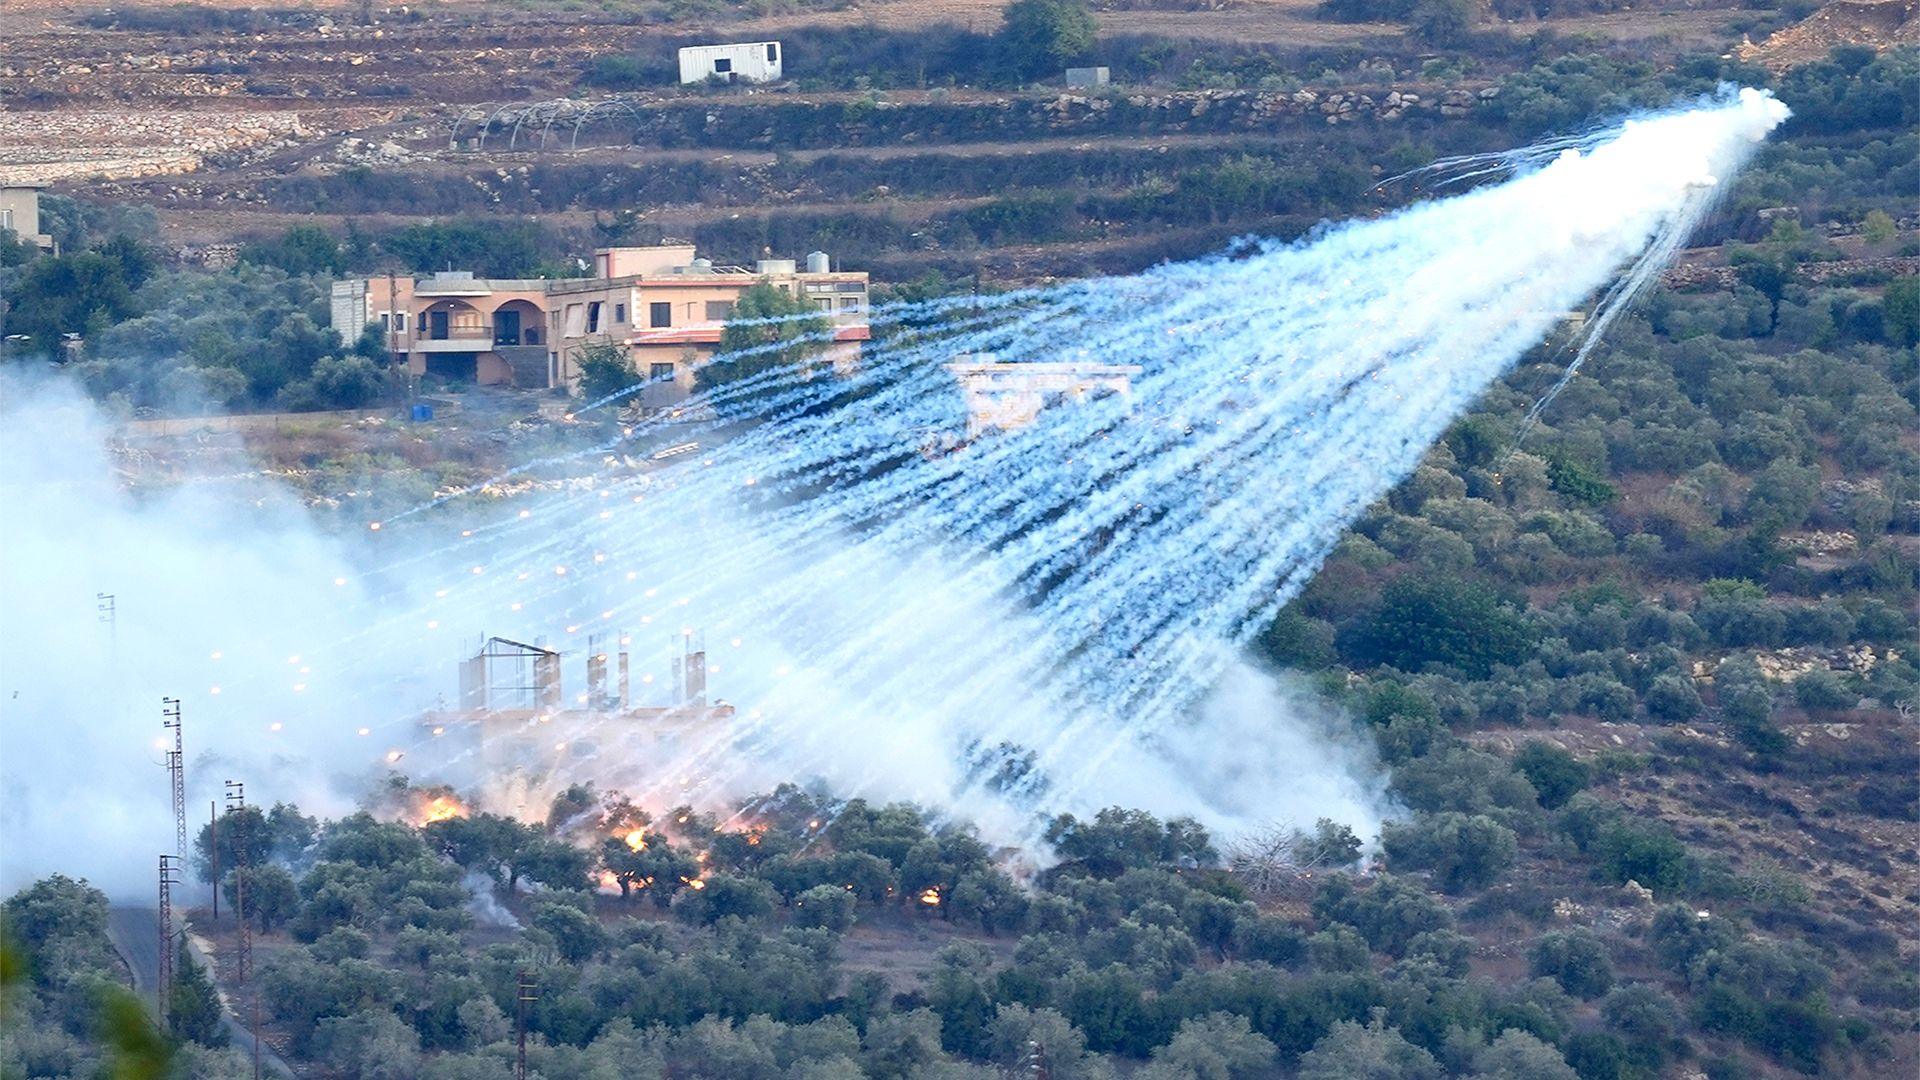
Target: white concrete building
1007,396
753,61
20,211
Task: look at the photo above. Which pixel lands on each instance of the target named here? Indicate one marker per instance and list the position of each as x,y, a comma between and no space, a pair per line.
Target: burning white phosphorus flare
1029,622
1033,621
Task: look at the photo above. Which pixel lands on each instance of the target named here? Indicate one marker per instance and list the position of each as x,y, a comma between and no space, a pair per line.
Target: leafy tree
1440,620
272,898
1632,849
826,907
1442,22
1576,480
1389,914
1338,949
345,382
987,898
68,294
578,935
656,865
1375,1051
726,896
886,832
902,1045
1647,1021
1576,960
369,1045
15,251
1017,1032
61,926
1221,1046
770,330
1464,851
1042,36
1672,698
1463,779
1297,640
489,247
606,369
553,863
194,1011
302,249
1517,1055
1900,308
1823,692
1117,840
1554,773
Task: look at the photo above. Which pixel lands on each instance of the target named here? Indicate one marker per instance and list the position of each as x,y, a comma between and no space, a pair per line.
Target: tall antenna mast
177,770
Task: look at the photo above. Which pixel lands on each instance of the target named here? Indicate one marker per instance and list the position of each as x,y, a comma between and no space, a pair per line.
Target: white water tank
819,263
766,267
701,266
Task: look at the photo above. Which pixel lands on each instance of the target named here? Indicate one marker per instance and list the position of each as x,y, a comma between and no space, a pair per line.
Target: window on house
6,219
773,52
620,313
576,319
659,372
850,303
386,322
824,303
722,66
593,317
719,310
660,313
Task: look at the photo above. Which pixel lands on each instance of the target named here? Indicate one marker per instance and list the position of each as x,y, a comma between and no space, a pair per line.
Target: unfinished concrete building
515,714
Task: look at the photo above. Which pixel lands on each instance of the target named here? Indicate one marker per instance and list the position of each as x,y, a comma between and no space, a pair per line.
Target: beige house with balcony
664,305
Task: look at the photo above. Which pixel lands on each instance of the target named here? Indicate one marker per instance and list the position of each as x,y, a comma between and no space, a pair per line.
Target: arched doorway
519,322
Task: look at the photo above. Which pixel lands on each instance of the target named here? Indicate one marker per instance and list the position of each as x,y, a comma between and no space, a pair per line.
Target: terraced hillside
236,123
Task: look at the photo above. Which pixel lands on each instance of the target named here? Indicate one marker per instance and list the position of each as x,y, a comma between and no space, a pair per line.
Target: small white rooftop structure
753,61
1007,396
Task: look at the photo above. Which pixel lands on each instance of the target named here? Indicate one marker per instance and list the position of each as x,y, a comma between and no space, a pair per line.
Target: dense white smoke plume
1007,627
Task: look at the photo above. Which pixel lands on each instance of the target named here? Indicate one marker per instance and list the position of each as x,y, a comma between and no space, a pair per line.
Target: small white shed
753,61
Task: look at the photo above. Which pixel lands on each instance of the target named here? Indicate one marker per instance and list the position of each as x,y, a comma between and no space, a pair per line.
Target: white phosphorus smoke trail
1048,619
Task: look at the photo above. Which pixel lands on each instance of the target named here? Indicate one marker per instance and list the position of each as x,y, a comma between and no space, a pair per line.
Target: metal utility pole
177,768
213,847
1036,1062
243,951
163,984
243,954
524,995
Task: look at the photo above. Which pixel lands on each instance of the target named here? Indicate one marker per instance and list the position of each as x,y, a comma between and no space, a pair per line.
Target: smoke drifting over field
1007,627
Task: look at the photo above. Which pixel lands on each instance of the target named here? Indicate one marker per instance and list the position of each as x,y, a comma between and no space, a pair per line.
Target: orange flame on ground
440,808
